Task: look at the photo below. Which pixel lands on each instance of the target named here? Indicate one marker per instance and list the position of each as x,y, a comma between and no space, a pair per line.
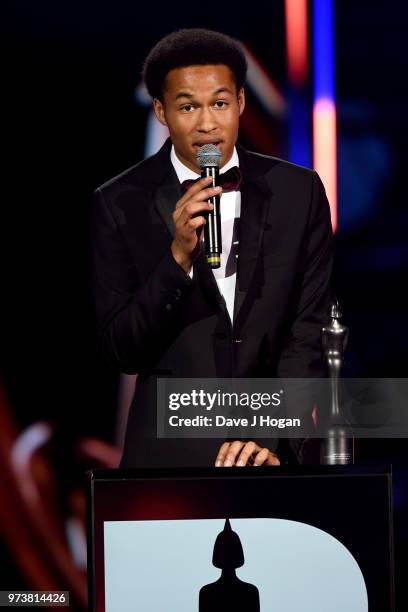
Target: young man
161,310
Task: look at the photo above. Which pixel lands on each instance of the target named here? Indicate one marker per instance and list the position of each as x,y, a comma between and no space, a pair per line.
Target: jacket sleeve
133,319
302,355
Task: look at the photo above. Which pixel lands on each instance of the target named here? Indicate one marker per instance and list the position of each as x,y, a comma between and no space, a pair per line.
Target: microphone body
212,229
209,157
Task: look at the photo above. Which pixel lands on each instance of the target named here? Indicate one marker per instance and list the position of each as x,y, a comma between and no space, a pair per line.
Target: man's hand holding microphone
189,223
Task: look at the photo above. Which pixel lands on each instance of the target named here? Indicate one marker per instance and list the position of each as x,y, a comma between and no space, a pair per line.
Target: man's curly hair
192,47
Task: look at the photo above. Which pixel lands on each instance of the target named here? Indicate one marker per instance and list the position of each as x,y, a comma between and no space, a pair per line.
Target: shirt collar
184,173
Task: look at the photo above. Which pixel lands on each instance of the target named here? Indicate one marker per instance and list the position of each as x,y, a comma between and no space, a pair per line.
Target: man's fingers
195,223
265,457
192,208
246,453
181,216
261,457
272,459
200,199
193,190
233,452
249,453
228,453
222,453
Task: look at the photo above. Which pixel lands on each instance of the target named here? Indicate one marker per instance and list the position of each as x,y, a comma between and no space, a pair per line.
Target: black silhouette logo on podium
228,592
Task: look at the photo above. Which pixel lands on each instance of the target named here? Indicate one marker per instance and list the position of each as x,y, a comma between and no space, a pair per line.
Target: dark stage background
71,122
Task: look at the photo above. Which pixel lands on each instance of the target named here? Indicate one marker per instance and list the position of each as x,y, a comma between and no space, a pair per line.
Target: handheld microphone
209,157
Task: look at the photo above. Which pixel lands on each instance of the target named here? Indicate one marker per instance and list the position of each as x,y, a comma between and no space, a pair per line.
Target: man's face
200,106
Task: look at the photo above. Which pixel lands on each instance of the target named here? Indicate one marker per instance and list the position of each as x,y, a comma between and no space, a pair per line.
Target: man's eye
187,108
220,104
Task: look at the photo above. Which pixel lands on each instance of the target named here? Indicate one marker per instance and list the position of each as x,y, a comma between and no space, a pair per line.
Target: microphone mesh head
208,155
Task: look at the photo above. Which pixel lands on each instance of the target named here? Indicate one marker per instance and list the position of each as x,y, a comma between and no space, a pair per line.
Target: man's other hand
244,454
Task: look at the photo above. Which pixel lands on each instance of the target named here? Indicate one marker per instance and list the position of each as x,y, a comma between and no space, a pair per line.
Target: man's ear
241,100
159,111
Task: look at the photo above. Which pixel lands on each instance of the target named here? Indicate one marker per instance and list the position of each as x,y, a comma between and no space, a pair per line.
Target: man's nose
206,120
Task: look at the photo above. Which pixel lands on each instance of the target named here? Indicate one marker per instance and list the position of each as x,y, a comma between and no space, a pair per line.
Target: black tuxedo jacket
155,320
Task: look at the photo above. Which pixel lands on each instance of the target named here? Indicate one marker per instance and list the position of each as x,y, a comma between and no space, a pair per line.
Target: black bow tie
229,180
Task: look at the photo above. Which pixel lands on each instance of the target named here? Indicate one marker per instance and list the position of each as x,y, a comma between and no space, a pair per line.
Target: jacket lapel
166,197
255,201
205,278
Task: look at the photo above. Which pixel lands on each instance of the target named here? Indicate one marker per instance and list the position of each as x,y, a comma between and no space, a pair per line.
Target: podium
311,539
